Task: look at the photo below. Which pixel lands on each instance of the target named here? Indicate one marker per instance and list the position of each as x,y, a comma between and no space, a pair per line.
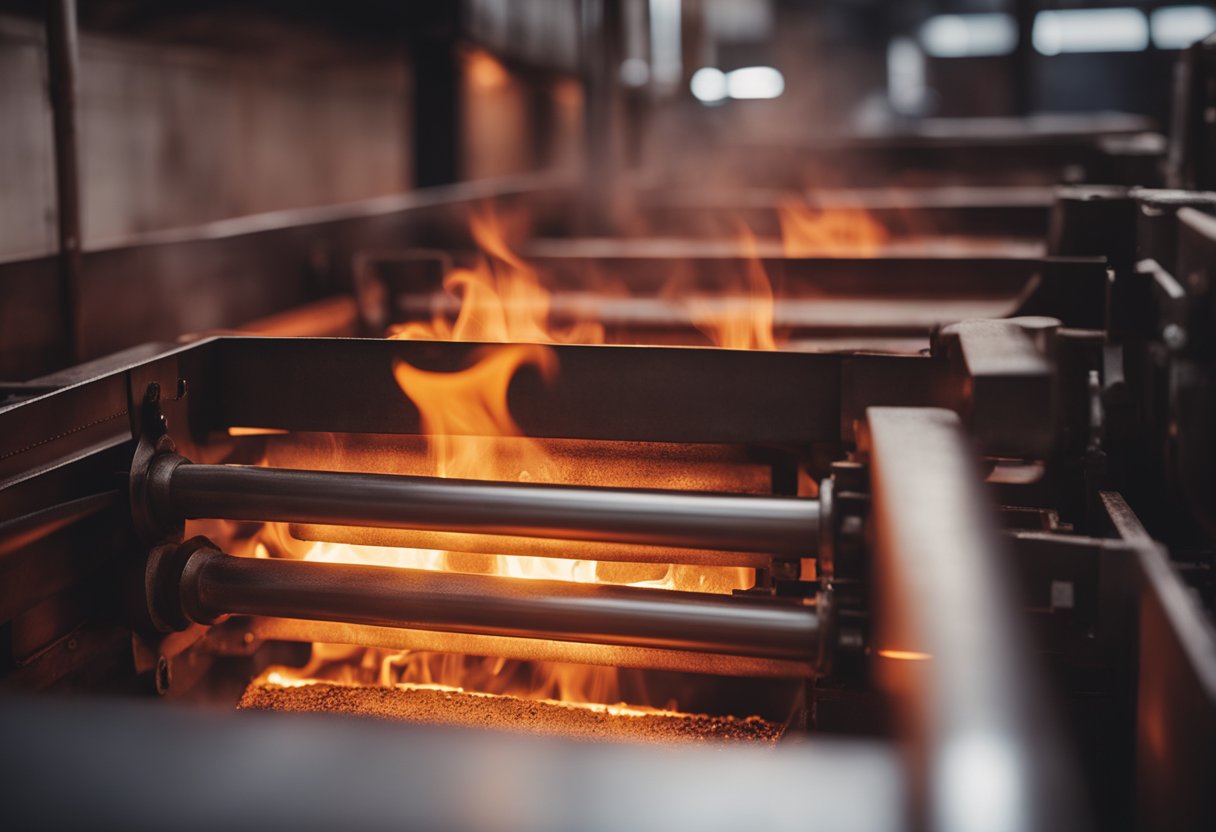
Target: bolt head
164,675
1174,336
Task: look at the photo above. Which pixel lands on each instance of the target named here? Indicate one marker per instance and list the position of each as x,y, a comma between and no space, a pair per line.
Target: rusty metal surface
887,380
893,276
44,552
988,754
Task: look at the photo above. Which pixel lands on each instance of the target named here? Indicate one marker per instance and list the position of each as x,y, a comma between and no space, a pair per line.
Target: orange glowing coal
828,232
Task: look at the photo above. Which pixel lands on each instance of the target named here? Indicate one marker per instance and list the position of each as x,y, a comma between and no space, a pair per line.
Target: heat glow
465,416
828,232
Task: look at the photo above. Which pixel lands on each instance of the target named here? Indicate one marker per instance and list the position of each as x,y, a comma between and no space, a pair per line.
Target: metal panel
988,752
1176,723
200,772
656,394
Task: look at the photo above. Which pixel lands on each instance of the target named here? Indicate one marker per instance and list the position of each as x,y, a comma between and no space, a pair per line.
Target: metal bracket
843,506
1004,386
162,582
153,441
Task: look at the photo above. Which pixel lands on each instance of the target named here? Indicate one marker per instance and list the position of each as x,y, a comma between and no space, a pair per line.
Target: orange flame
466,418
831,232
501,299
905,655
461,410
484,70
742,320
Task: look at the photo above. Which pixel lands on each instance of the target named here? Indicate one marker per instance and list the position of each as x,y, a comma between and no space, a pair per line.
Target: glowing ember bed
438,705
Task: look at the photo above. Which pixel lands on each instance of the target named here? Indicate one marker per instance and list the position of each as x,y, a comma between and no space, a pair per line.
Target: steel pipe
211,584
725,522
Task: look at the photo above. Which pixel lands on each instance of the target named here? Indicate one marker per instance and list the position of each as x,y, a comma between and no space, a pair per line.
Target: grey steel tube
214,583
777,525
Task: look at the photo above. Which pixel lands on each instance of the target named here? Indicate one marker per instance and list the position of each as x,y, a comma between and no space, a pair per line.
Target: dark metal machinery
782,634
994,603
895,533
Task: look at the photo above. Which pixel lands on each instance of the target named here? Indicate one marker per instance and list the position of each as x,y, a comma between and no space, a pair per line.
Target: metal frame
817,297
988,752
1176,707
928,523
648,394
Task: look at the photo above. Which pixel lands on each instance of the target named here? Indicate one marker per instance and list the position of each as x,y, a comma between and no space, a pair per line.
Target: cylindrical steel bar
214,583
778,525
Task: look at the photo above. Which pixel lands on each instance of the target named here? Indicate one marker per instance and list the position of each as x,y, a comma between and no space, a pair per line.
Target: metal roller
722,522
195,582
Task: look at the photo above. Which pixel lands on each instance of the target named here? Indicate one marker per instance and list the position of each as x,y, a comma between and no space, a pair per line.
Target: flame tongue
465,415
745,320
832,232
462,412
501,299
471,434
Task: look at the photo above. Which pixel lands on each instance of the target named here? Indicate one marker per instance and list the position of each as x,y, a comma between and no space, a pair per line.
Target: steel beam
988,750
